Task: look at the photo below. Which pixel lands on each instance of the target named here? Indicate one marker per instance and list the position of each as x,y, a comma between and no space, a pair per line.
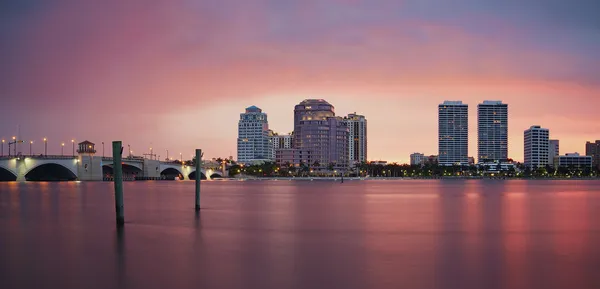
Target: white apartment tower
536,147
357,137
254,143
453,133
492,131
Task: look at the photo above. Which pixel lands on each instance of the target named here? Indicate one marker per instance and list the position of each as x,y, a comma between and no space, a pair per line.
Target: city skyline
175,76
56,146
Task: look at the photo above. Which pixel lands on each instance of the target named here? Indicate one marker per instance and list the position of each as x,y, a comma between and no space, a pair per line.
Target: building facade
254,143
492,131
357,137
573,160
536,147
453,133
592,149
417,159
282,141
317,130
553,150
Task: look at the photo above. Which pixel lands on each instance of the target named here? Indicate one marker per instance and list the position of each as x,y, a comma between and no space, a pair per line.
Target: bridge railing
39,157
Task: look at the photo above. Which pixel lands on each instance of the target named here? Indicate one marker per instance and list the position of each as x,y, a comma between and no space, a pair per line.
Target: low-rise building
417,159
573,160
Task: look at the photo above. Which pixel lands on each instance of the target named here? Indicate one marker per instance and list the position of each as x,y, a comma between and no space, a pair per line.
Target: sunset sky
176,74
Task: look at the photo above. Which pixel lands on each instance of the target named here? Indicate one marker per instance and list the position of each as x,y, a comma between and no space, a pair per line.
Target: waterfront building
430,160
254,143
536,147
417,159
497,166
592,149
453,133
573,160
492,131
357,137
320,133
553,150
282,141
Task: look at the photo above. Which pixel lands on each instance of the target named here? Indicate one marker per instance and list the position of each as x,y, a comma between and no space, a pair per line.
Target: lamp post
73,143
62,149
181,157
102,149
15,143
129,147
2,147
151,153
30,151
167,155
45,147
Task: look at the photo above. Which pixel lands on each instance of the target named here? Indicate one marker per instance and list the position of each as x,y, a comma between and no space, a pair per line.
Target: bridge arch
50,172
171,173
216,175
128,170
6,175
192,176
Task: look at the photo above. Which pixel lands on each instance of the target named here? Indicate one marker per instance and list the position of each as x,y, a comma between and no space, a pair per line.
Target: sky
175,74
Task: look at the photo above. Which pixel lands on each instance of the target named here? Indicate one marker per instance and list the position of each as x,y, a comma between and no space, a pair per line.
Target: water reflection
375,234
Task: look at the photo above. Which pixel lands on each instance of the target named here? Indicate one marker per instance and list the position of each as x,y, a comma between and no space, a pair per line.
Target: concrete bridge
88,167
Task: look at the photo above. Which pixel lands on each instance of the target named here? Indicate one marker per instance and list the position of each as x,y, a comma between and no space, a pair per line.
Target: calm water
372,234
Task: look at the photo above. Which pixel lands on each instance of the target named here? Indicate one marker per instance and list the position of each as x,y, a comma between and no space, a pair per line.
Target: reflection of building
357,137
453,132
492,131
592,149
536,147
318,132
573,160
253,141
553,151
417,159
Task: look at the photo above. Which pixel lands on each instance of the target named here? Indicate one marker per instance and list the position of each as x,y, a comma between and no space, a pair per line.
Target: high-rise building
453,134
282,141
536,147
553,150
319,133
492,131
254,143
573,160
357,137
417,159
593,149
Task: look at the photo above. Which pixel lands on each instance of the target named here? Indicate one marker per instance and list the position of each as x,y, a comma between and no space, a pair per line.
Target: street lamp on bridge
62,149
2,154
73,142
30,145
102,149
45,147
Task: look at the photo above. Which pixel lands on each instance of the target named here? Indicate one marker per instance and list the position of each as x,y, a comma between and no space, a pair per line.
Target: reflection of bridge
87,167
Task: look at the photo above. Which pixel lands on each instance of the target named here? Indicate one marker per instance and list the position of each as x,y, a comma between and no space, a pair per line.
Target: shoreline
396,179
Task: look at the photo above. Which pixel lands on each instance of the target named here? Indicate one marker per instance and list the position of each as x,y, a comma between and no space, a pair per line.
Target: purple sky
176,74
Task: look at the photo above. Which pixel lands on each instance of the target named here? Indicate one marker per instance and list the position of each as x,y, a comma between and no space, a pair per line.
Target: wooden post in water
198,177
118,180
